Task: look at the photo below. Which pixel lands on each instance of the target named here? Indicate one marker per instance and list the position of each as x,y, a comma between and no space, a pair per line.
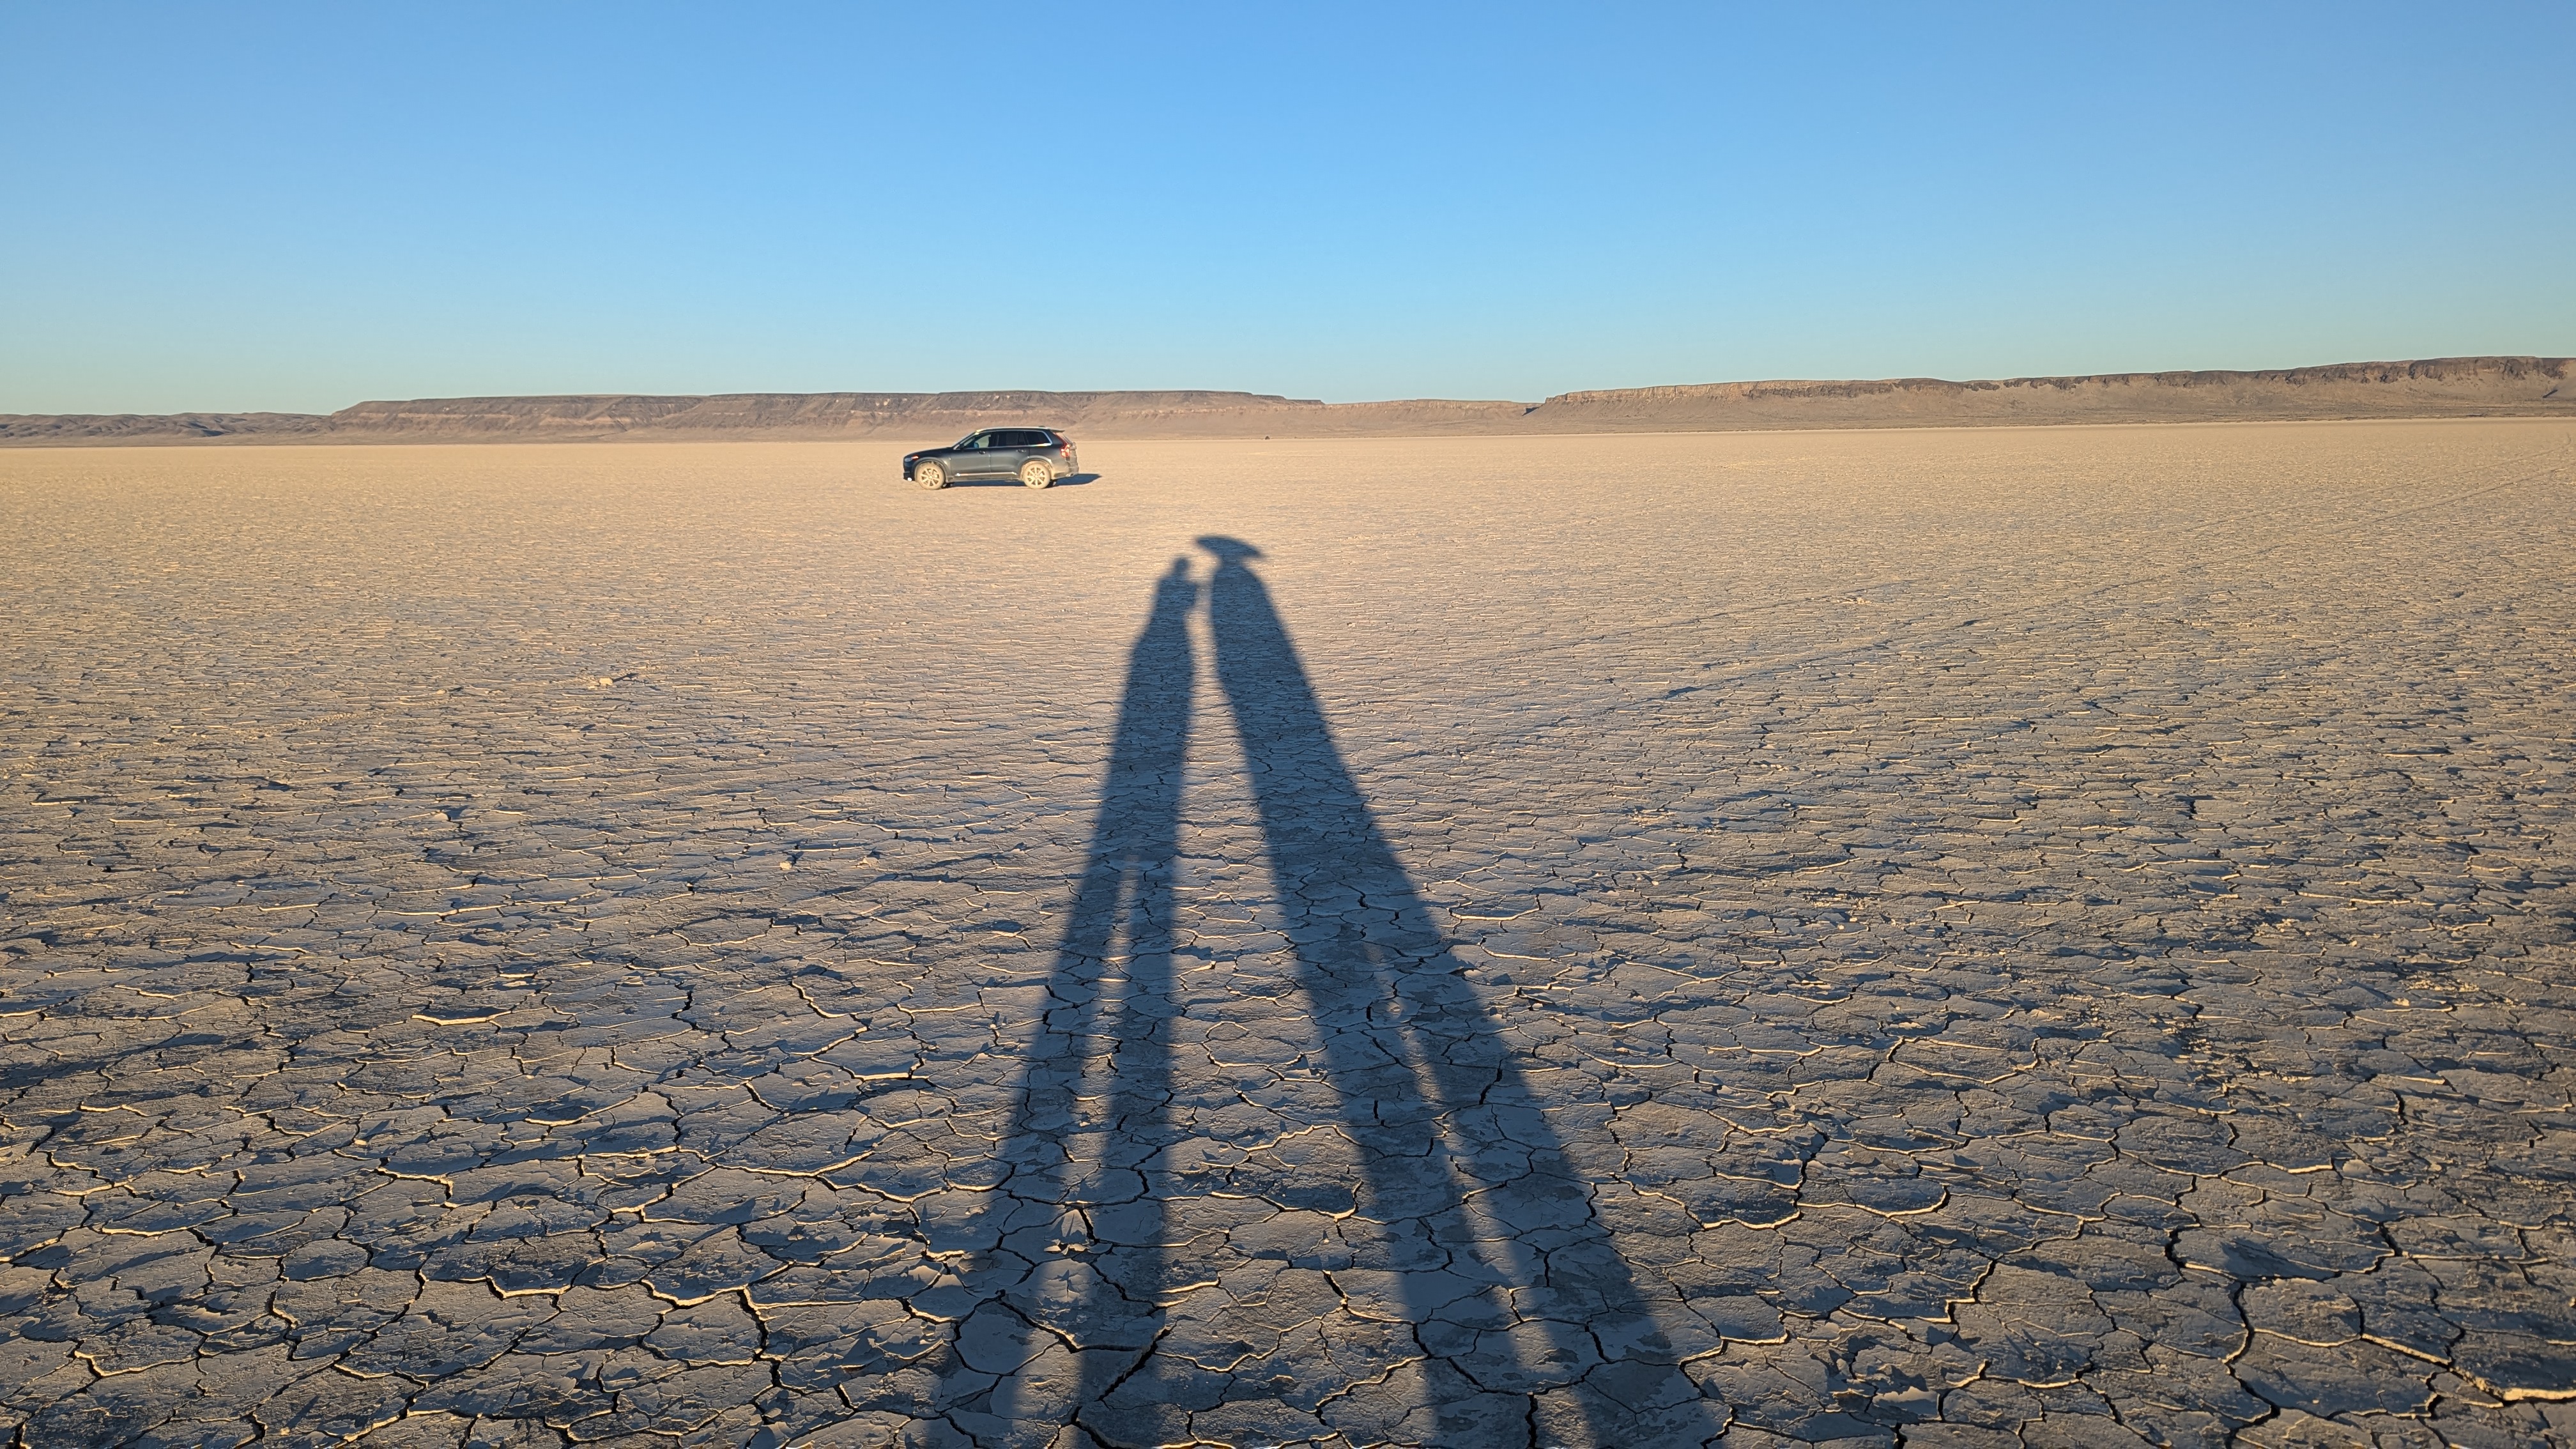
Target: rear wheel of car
1036,473
930,475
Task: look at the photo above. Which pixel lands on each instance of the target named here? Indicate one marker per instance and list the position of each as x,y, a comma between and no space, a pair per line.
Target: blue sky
282,206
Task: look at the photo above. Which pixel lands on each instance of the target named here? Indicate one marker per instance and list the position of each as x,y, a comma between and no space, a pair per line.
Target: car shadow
1069,480
1509,1303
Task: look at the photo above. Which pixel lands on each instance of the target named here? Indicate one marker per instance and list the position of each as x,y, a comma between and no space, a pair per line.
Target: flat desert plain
2057,934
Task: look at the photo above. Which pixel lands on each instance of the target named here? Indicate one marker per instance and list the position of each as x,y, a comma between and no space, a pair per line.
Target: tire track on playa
1926,622
1916,626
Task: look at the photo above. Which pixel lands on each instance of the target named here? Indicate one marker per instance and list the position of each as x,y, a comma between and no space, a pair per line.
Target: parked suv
1035,456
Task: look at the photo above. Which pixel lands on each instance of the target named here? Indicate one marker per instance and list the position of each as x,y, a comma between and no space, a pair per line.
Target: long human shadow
1055,1329
1511,1281
1505,1276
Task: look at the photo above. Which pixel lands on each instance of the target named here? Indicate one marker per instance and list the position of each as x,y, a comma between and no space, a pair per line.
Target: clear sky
298,207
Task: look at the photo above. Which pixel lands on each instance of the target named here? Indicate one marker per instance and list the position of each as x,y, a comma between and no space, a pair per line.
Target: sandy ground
2063,933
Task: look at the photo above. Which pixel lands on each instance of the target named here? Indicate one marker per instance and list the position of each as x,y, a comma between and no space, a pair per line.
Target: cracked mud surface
1951,938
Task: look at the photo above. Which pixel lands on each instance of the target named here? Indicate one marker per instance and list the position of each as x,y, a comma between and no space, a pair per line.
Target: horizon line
1272,397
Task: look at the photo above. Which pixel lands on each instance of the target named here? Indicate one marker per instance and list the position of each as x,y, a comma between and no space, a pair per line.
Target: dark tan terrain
2048,936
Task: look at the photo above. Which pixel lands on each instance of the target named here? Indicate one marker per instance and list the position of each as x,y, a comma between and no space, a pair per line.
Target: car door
974,457
1011,448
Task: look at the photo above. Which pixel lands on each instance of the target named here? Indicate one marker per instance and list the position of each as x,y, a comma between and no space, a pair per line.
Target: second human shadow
1508,1308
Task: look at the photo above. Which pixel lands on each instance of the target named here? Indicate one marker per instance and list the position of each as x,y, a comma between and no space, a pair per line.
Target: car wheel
1036,473
930,475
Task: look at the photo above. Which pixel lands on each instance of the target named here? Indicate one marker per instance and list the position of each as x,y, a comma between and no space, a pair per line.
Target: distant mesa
2438,387
156,428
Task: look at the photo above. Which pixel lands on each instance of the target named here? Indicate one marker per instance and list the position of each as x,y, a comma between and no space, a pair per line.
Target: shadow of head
1228,550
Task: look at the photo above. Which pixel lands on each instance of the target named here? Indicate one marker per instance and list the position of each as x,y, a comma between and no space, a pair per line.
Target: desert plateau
2437,387
1536,936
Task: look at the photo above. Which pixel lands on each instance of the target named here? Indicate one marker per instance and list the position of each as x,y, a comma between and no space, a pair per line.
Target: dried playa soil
1940,937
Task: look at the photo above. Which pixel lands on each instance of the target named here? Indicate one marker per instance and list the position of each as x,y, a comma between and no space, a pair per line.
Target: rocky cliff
926,416
2440,387
74,428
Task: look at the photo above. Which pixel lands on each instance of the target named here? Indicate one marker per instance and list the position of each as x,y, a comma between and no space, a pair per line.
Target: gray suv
1035,456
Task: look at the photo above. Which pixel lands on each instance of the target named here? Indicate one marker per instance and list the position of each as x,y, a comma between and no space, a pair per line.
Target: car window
976,440
1022,440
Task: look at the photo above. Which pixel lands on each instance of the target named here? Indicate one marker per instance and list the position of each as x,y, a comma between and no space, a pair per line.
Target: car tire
1037,473
930,475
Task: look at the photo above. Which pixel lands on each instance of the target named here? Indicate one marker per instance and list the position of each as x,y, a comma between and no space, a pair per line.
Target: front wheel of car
930,475
1036,474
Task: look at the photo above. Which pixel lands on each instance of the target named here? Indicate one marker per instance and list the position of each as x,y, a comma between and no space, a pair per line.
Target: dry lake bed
1943,937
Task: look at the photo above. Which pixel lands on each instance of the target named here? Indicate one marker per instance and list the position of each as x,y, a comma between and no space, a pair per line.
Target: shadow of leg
1516,1293
1061,1300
